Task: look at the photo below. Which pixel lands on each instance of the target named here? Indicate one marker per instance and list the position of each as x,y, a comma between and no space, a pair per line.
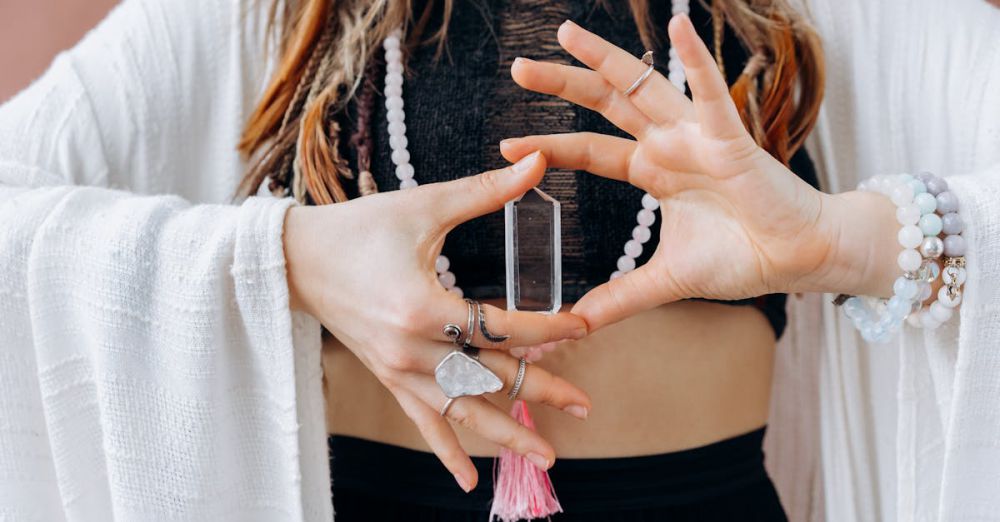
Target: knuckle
606,100
546,385
489,184
510,439
410,320
388,377
398,359
451,454
464,417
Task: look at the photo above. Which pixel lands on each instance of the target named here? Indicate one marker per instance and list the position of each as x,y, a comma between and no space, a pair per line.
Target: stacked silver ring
460,374
647,59
522,367
470,323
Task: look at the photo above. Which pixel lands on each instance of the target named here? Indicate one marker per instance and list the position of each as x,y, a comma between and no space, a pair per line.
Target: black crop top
460,106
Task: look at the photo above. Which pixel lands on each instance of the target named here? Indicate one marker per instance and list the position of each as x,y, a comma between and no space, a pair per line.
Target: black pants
724,481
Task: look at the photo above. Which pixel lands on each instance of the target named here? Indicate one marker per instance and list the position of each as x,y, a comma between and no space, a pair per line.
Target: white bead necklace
396,118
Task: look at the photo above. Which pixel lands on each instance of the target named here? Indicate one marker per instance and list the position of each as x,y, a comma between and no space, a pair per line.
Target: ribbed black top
458,108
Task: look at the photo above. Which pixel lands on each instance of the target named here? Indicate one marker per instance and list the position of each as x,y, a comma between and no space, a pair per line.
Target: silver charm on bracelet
522,366
647,59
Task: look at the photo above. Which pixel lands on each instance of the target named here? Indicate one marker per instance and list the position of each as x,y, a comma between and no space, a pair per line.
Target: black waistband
582,485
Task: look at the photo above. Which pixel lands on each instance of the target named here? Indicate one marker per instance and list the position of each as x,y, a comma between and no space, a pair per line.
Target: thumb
623,297
458,201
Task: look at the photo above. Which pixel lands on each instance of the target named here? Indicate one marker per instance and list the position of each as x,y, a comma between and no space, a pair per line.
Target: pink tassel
521,491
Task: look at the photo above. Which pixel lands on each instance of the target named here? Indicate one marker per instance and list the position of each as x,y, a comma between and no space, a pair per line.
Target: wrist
863,246
295,264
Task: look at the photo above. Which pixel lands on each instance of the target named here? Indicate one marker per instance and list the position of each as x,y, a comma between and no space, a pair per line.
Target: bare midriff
676,377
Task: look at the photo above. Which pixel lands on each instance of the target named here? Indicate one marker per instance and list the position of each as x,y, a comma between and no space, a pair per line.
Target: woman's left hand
736,223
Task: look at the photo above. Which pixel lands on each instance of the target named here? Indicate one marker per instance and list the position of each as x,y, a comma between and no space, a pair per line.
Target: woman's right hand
365,269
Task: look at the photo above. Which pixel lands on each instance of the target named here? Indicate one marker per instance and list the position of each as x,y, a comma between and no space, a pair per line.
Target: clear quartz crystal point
534,253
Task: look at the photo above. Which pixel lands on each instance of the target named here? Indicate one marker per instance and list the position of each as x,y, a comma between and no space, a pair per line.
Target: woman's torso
674,377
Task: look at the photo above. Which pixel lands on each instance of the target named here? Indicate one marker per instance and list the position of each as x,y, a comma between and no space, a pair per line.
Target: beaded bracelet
879,319
952,249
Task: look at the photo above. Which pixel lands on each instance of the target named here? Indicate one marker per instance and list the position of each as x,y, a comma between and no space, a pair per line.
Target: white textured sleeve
150,368
972,432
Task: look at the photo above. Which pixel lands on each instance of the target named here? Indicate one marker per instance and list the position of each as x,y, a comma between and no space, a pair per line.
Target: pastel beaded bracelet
879,319
951,249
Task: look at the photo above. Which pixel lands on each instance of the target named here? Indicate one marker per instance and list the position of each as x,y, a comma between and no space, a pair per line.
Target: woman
156,369
705,365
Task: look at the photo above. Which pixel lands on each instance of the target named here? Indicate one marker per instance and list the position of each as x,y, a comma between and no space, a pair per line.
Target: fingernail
462,483
538,460
507,141
522,59
580,333
517,352
577,411
526,163
569,22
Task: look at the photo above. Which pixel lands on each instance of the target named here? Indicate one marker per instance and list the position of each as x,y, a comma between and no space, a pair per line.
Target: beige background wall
33,31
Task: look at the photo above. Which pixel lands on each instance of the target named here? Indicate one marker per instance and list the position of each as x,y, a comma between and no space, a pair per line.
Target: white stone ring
647,59
460,375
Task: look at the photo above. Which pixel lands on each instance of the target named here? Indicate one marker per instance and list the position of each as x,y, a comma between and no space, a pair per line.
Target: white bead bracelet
879,319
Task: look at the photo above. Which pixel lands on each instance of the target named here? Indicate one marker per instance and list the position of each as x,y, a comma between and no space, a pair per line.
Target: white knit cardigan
908,431
150,369
149,366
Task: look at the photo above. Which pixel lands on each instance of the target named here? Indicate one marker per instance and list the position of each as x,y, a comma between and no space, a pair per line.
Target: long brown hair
778,92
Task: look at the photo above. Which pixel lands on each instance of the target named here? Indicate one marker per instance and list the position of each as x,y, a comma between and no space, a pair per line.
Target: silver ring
460,375
522,366
491,337
647,59
453,332
447,404
470,323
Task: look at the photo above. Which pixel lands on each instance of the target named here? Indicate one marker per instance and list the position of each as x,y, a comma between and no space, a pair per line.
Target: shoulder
176,44
170,83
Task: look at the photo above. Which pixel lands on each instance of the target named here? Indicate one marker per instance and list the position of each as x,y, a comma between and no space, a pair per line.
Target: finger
482,417
538,385
442,439
712,101
619,298
606,156
583,87
520,328
656,97
455,202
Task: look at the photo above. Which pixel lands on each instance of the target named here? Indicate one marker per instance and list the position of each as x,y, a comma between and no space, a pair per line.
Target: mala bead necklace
521,490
